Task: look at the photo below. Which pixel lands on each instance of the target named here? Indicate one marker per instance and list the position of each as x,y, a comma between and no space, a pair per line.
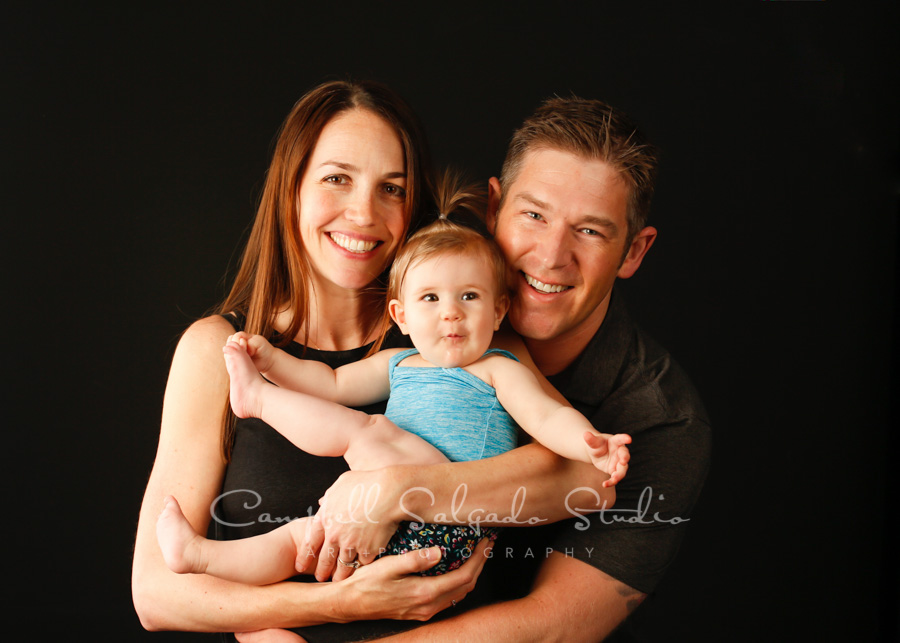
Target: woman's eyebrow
349,167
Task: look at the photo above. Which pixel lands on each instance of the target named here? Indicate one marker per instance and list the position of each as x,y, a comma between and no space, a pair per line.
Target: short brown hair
595,130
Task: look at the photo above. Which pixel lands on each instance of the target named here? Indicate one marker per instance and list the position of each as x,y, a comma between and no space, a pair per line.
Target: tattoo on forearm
635,598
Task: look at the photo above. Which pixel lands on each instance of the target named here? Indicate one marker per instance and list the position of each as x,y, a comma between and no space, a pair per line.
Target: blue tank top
450,408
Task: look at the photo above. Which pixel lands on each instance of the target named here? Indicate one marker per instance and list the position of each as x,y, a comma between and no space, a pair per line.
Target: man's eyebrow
344,166
589,219
533,200
601,221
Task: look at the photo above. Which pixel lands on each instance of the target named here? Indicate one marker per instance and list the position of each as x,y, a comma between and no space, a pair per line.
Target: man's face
563,227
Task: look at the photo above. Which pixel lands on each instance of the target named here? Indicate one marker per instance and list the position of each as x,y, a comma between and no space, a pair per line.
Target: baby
452,397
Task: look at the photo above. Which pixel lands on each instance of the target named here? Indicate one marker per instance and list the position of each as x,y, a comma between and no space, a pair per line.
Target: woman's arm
189,466
550,612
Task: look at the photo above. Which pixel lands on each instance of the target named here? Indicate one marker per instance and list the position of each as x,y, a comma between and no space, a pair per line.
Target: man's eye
589,232
534,215
469,296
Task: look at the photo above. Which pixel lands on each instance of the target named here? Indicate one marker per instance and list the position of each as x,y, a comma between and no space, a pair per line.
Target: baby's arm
560,428
355,384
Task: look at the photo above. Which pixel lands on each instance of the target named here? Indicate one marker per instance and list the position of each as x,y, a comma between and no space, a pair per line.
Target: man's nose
553,248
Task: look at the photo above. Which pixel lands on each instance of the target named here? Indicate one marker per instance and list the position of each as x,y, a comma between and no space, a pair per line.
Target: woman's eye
469,296
335,179
395,190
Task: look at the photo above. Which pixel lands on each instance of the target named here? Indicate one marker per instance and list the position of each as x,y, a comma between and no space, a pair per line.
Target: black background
134,147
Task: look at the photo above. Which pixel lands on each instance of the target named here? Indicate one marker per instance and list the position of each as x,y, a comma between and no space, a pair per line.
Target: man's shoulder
637,381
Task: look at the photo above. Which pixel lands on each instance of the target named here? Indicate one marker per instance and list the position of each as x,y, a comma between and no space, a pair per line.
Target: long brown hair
274,271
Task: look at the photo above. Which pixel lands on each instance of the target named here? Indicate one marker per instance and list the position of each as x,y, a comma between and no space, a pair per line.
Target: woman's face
351,200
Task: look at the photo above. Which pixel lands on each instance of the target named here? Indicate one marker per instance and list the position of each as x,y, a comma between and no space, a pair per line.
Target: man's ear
493,206
636,251
395,310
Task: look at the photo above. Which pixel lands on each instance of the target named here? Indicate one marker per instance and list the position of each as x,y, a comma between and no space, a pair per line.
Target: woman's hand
391,587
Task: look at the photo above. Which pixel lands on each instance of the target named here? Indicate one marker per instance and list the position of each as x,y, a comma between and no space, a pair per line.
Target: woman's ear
395,309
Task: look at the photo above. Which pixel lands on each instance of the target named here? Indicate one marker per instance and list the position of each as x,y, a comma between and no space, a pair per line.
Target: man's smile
544,288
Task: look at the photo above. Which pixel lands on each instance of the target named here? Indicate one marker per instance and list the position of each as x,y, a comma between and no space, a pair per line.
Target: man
569,212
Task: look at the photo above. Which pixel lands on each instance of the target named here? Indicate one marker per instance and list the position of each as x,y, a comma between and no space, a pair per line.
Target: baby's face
449,308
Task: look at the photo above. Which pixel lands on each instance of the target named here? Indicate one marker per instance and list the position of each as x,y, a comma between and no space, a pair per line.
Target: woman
348,174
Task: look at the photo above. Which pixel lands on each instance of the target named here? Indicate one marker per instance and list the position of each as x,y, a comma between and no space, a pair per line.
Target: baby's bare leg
380,443
321,427
259,560
247,385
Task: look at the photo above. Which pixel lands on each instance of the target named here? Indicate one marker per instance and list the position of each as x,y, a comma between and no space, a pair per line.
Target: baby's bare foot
180,544
245,380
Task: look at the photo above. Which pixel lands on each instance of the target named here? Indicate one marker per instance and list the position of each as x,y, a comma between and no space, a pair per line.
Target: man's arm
550,612
527,486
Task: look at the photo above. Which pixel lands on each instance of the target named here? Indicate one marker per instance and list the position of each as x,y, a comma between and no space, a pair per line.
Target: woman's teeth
353,245
540,286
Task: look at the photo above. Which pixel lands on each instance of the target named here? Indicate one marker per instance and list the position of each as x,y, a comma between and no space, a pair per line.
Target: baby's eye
469,296
429,297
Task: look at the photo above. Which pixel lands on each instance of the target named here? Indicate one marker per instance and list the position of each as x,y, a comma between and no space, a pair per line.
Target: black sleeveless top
269,482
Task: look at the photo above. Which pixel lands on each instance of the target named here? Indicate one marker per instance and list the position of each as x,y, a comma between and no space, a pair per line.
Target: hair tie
442,216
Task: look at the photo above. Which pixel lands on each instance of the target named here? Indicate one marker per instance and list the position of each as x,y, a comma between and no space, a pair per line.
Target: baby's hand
609,454
258,348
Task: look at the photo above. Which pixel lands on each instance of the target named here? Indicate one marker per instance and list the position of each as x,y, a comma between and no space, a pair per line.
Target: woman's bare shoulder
212,328
205,338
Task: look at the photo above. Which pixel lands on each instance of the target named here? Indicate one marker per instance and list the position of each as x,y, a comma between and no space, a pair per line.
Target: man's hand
356,519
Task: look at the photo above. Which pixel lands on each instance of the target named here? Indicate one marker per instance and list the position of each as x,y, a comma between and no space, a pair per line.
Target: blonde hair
444,236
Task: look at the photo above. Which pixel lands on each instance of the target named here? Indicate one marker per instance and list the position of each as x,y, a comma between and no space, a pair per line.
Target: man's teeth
353,245
540,286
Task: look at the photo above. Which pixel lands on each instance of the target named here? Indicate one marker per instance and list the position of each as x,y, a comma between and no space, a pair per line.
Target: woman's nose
361,210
